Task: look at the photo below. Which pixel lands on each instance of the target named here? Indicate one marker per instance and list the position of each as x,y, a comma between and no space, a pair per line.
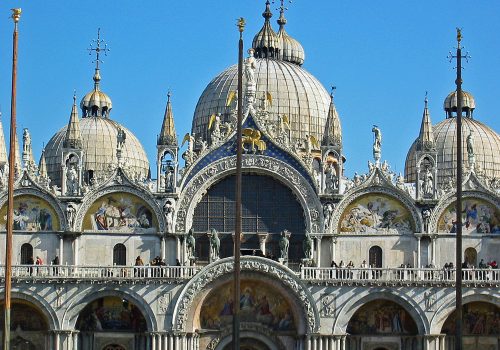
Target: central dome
99,146
295,93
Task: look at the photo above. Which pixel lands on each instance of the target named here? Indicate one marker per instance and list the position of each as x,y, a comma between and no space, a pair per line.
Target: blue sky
381,55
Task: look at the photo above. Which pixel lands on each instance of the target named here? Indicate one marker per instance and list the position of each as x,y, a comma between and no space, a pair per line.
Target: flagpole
237,233
16,15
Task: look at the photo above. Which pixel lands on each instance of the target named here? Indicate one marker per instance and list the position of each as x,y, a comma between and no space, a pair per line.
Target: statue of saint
121,136
71,181
307,245
190,244
26,140
70,216
249,70
168,211
169,181
331,178
428,183
470,144
327,213
214,245
377,143
284,243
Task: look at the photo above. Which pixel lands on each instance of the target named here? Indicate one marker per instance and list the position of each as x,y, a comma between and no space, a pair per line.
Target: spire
17,160
3,148
73,138
426,136
42,165
266,43
168,135
333,129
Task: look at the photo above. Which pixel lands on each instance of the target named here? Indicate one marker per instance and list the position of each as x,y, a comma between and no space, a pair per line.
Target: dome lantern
291,50
266,43
468,104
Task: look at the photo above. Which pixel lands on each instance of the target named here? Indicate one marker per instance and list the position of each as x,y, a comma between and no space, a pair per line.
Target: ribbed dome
266,42
99,145
468,103
295,93
96,103
291,49
486,149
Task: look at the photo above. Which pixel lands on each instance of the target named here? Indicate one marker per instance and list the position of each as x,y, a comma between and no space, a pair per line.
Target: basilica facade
107,258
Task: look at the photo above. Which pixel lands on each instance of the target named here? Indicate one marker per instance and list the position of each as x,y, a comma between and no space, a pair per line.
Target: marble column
162,247
334,249
318,251
418,252
61,249
74,336
76,247
433,238
262,242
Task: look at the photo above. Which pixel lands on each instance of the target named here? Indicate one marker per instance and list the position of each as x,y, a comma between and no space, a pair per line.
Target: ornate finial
241,24
16,14
459,36
332,91
282,9
169,93
98,49
425,99
74,96
267,14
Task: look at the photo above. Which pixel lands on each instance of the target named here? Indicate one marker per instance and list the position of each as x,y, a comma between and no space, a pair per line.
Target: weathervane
282,7
451,56
98,48
332,91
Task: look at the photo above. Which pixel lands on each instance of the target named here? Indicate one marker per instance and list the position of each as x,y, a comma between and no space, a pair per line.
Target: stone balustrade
400,275
478,277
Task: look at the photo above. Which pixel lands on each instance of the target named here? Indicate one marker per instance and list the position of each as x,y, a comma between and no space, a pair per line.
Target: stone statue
249,70
470,144
377,142
428,183
307,246
201,145
168,211
190,244
214,245
188,155
284,243
400,182
216,134
327,213
26,141
70,216
121,136
331,180
426,216
169,181
71,181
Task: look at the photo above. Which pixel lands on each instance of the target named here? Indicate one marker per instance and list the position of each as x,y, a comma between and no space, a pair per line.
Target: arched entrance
481,326
249,344
108,318
382,324
113,347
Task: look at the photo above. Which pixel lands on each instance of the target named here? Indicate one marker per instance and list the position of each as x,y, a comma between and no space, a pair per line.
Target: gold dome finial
16,14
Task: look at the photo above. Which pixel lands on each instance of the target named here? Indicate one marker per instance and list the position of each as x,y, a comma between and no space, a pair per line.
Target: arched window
375,256
471,257
119,255
26,253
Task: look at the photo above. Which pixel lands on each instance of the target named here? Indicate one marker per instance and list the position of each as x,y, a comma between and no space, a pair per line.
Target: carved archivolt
254,264
90,199
372,189
451,198
194,190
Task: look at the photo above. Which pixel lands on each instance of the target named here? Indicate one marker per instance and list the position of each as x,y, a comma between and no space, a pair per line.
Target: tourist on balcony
364,274
333,271
38,262
350,266
139,271
342,269
55,262
30,261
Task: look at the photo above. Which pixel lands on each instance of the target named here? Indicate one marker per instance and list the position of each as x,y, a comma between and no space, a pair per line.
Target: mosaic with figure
111,314
478,216
259,303
24,317
376,214
120,212
31,214
479,319
381,317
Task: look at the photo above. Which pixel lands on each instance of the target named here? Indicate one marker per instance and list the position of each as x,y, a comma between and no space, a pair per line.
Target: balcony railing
101,272
310,274
404,275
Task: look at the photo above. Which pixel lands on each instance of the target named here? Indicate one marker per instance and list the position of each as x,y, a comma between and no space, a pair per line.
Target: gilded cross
98,48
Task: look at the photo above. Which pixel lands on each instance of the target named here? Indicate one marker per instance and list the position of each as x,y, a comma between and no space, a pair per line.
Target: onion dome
468,104
168,136
486,145
291,50
266,43
295,93
96,103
